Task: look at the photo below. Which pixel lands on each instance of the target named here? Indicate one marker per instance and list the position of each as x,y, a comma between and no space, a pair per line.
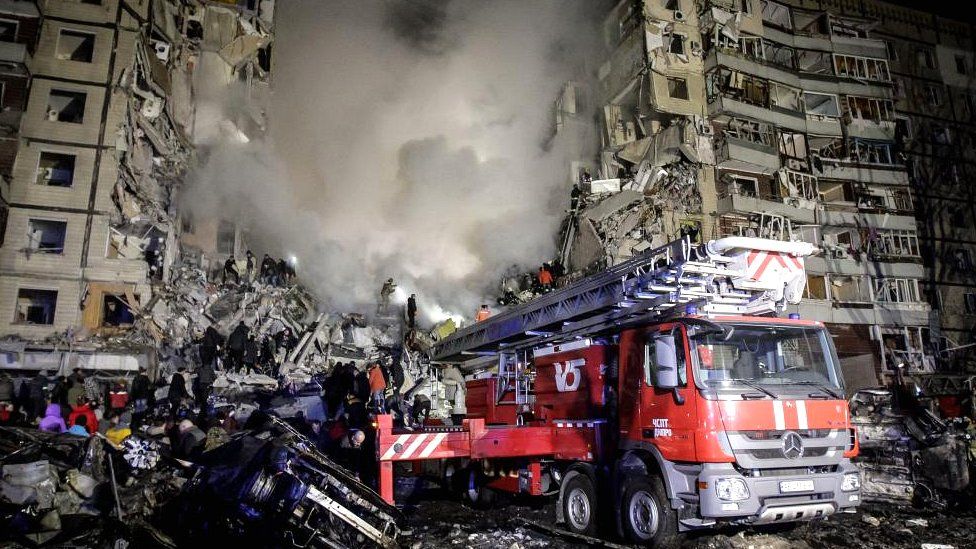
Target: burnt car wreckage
266,486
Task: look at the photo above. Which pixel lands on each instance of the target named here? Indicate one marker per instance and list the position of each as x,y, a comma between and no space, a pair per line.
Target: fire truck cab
671,415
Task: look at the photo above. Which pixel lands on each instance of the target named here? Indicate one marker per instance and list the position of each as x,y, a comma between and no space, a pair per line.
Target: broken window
8,30
851,289
46,236
837,191
898,243
812,61
752,46
75,46
933,95
799,185
678,88
35,306
676,44
116,311
870,108
56,169
863,68
225,237
892,50
749,130
961,65
793,145
672,5
871,152
66,106
777,15
745,6
777,54
816,287
821,104
784,97
896,290
742,185
926,58
902,200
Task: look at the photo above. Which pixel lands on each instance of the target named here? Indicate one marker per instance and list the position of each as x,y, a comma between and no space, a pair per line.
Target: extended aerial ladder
730,276
735,276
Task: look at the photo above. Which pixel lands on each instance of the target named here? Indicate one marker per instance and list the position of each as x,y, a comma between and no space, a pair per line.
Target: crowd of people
270,272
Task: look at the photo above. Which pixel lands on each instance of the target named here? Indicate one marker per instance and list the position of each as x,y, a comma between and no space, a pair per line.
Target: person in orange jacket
83,408
545,278
377,384
483,313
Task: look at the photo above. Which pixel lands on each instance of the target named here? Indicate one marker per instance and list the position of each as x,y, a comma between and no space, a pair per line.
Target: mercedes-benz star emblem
792,445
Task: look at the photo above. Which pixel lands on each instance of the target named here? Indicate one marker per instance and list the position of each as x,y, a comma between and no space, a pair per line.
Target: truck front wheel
647,518
579,505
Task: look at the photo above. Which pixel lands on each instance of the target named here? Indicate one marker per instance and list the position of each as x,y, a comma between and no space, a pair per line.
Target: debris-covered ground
440,522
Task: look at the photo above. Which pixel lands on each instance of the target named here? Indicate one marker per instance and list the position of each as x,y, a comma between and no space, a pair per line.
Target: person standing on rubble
284,342
142,397
377,386
268,270
545,278
236,342
250,354
412,311
386,292
574,199
204,384
210,345
177,391
77,385
282,268
249,268
230,270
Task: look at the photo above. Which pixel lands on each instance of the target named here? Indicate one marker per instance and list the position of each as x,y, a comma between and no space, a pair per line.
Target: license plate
788,486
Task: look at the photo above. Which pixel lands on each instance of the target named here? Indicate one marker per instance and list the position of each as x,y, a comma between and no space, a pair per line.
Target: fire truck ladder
650,285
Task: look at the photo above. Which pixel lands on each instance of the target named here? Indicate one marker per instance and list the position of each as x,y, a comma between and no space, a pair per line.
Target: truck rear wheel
579,505
475,491
646,516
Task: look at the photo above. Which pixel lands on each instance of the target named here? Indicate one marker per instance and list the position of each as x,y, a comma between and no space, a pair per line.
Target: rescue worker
59,393
386,292
38,397
574,198
412,310
230,270
377,386
236,342
282,273
249,268
483,313
250,354
210,345
142,397
77,385
204,384
545,278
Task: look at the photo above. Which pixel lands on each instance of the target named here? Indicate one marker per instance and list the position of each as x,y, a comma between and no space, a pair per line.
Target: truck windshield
767,355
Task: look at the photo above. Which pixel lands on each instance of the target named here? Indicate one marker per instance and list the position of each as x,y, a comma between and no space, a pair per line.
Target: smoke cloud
407,139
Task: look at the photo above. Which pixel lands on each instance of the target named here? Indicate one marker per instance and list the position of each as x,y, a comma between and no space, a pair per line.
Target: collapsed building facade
788,121
106,134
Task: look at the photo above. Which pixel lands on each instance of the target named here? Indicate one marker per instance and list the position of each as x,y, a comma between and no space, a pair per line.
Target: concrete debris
908,454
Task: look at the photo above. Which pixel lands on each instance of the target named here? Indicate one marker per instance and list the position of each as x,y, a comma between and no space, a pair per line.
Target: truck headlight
851,482
731,489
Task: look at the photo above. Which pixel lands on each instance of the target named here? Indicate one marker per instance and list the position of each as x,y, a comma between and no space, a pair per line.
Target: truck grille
764,449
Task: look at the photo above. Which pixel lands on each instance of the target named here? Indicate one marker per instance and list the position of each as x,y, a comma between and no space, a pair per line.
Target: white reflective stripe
413,446
390,452
778,415
801,414
433,445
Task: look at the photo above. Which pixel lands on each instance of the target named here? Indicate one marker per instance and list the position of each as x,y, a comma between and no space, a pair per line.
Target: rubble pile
264,486
909,455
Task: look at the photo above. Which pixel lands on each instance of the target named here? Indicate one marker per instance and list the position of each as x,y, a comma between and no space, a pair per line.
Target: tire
579,505
646,515
475,492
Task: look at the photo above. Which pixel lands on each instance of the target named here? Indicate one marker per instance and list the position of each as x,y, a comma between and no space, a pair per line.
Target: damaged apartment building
102,135
757,118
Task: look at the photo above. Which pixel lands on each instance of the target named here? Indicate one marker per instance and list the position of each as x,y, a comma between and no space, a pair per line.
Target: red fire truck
661,396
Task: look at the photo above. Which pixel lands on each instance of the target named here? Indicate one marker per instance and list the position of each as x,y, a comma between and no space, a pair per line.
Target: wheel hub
578,508
644,515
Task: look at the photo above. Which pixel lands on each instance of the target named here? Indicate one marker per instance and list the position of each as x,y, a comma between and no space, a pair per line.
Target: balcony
874,220
735,153
782,118
906,268
864,313
751,204
885,174
11,52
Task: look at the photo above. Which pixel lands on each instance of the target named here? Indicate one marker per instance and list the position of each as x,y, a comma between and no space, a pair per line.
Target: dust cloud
408,139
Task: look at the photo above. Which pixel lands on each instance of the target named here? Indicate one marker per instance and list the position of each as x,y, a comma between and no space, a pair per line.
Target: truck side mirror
666,372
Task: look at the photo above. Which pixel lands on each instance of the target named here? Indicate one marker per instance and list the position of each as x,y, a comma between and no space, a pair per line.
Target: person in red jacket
377,385
83,408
